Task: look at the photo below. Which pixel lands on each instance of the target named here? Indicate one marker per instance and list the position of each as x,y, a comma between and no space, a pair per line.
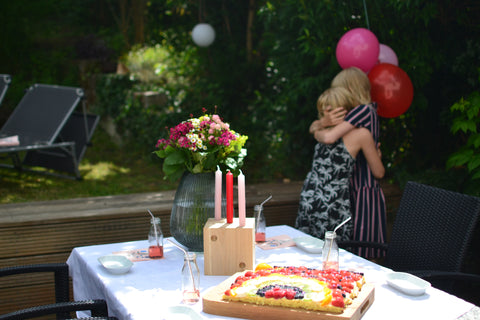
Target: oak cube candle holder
228,247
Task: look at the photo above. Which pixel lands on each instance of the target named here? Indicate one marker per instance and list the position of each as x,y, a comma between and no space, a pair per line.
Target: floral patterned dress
325,196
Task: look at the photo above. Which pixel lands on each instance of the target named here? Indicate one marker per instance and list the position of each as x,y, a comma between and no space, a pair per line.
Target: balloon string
366,14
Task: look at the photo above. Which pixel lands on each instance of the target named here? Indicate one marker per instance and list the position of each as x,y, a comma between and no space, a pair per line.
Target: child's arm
329,136
330,118
371,152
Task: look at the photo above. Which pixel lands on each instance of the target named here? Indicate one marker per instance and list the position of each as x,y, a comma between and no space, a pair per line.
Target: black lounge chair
4,83
51,135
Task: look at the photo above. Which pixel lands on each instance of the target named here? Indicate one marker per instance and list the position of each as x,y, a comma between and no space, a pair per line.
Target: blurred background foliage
268,64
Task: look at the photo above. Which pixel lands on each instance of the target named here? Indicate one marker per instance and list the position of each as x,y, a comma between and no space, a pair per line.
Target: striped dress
367,198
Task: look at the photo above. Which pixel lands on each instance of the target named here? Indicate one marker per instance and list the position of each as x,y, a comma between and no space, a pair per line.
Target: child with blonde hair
368,200
325,196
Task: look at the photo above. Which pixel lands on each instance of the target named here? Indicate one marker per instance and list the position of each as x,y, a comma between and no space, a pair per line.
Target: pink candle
241,199
229,182
218,194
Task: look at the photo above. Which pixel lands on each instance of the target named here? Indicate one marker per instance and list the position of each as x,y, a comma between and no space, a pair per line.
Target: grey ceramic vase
193,205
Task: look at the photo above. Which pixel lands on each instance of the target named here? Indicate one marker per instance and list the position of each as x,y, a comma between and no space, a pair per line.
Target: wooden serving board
213,304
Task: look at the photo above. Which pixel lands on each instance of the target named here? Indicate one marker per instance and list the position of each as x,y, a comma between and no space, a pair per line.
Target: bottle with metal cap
260,222
155,239
190,279
330,251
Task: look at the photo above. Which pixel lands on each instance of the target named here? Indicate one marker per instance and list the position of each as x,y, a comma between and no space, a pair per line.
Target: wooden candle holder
228,248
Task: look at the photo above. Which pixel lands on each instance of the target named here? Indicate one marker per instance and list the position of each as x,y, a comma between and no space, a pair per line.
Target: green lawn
107,169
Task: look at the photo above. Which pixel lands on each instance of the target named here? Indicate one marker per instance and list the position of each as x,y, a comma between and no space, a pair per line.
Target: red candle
229,182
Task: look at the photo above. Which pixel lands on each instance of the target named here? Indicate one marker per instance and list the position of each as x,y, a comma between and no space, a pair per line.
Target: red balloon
392,89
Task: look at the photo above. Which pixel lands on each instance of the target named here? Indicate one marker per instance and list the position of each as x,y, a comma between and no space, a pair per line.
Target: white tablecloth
150,287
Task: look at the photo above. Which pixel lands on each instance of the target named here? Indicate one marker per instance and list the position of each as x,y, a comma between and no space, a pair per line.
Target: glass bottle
190,287
330,251
155,239
260,224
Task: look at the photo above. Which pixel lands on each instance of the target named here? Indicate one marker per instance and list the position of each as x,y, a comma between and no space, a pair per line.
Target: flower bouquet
193,150
199,145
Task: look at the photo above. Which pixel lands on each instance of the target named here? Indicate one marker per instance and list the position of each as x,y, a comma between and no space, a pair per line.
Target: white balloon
203,34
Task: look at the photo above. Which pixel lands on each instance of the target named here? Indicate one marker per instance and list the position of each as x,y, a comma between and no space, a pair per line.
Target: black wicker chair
432,230
63,307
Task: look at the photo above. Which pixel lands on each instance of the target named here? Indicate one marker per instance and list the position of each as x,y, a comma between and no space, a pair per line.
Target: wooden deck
39,232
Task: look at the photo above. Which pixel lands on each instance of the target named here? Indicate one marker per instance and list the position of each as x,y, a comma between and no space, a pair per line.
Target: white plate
116,264
182,313
309,244
407,283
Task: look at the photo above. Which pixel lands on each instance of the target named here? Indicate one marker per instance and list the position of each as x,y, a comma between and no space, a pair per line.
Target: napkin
9,141
281,241
135,255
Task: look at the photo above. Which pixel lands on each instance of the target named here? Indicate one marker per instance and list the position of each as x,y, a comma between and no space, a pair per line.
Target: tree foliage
270,61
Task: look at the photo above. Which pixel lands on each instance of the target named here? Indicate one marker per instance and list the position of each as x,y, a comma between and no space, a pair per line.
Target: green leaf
198,168
474,141
175,157
160,153
177,175
459,158
458,106
464,125
171,169
476,175
210,162
474,163
173,172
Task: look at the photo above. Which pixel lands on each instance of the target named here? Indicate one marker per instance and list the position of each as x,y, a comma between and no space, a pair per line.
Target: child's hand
316,125
379,151
333,117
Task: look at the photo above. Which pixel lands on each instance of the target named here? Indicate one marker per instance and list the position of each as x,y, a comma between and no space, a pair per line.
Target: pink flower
162,142
216,118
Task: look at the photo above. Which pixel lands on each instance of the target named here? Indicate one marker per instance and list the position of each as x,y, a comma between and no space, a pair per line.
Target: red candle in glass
229,182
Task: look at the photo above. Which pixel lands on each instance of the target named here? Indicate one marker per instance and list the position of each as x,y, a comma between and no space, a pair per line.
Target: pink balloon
387,55
358,48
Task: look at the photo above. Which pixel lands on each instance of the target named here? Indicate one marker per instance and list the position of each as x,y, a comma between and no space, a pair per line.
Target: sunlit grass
102,170
106,169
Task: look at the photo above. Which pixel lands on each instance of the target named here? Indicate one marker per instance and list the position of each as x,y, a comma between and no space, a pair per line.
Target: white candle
218,194
241,199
